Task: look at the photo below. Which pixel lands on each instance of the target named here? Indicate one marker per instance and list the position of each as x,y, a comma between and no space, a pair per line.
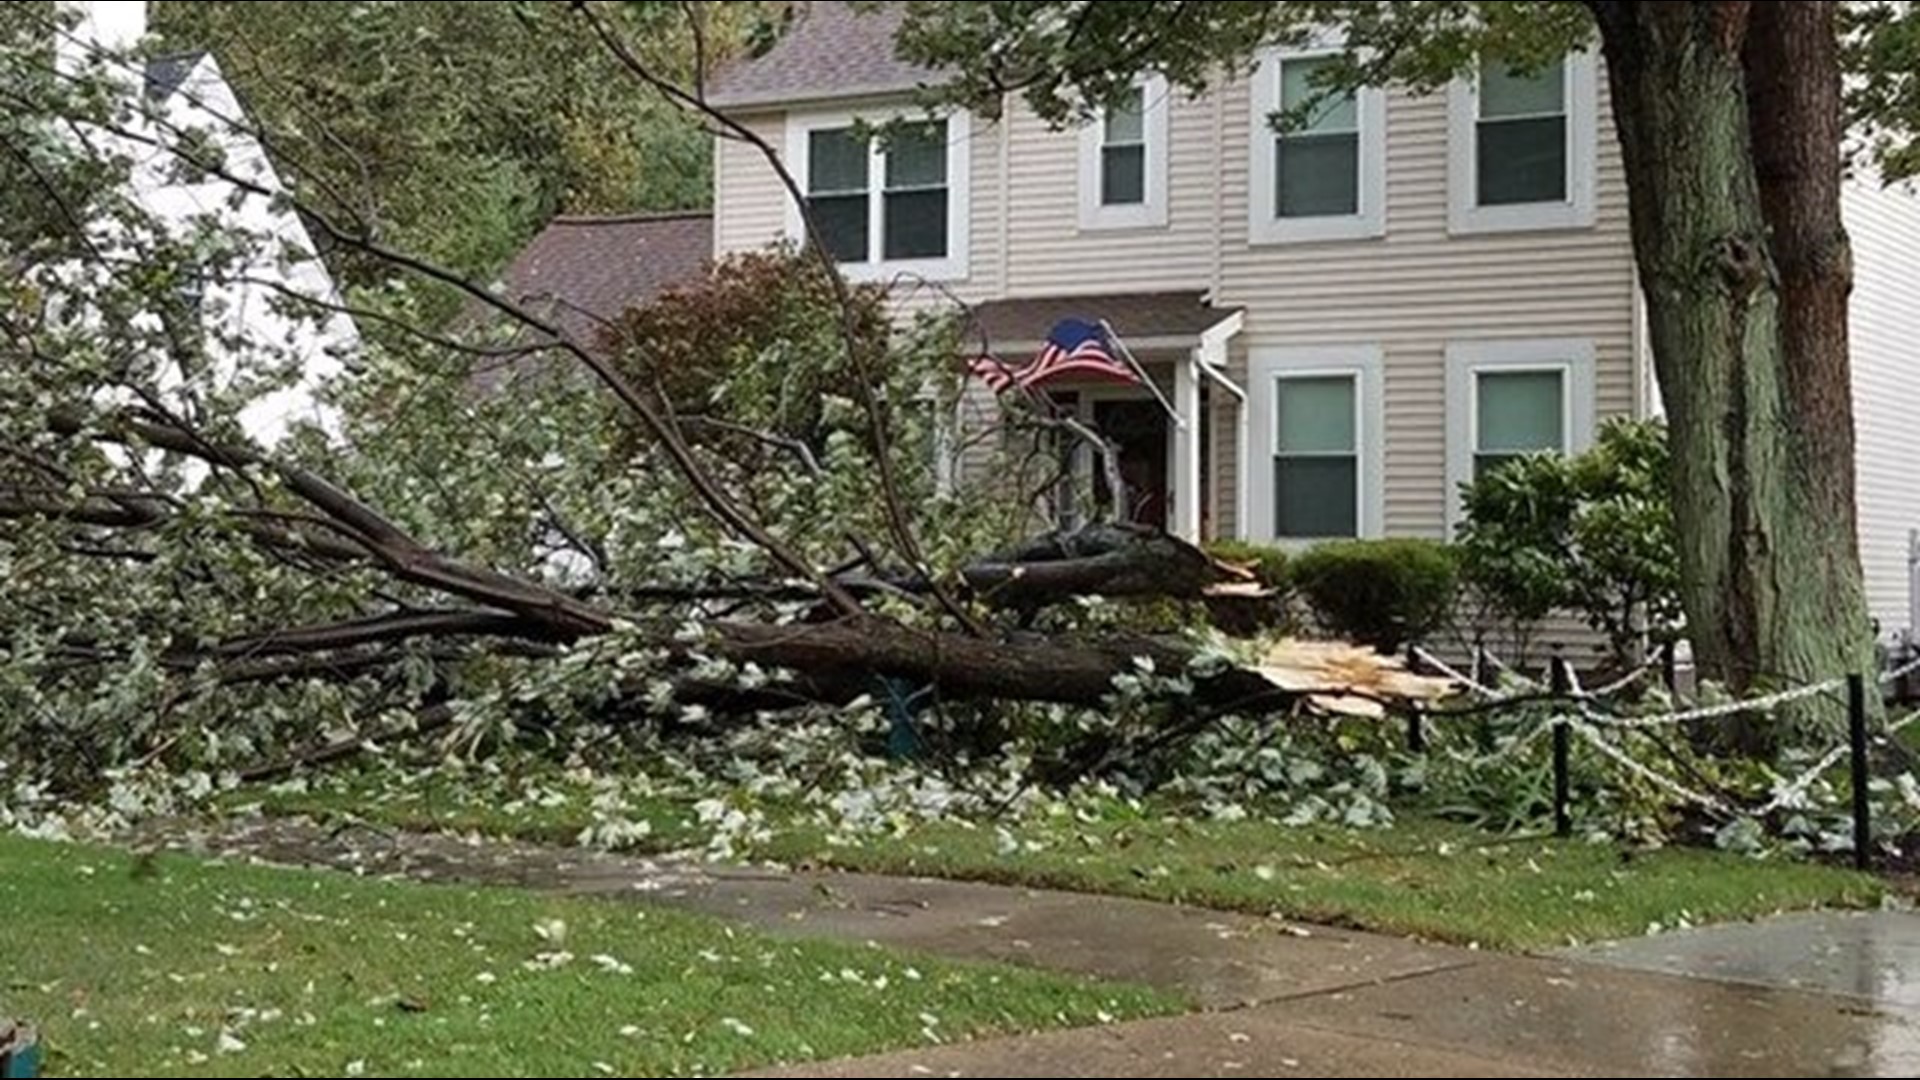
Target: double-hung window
1124,158
1520,136
837,195
1511,399
1517,412
1123,151
1316,455
1316,446
884,201
1318,154
914,202
1523,145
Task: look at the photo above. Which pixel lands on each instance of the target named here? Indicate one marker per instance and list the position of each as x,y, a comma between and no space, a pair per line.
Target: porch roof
1142,320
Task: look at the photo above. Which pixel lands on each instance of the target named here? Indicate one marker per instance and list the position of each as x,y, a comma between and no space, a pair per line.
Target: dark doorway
1139,429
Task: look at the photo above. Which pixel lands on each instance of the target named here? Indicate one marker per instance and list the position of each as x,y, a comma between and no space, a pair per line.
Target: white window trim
1572,357
1265,368
1152,213
959,194
1467,216
1264,225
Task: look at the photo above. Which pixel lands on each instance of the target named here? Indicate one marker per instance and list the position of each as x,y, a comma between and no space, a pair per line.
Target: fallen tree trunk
847,650
1118,561
958,666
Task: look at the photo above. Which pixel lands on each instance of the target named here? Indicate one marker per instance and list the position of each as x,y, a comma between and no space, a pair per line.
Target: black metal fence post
1857,738
1562,752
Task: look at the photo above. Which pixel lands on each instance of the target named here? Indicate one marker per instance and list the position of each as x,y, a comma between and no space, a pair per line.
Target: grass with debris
171,966
1421,878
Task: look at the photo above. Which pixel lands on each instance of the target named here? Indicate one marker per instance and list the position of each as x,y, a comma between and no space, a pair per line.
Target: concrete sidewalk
1499,1017
1801,996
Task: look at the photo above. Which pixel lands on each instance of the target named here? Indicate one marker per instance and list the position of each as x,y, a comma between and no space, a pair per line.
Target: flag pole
1141,372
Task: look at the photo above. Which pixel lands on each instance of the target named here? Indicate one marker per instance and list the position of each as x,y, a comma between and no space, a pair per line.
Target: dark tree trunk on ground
1100,560
1728,115
1032,668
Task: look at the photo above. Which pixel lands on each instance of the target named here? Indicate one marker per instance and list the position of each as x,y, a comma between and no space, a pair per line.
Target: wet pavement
1585,1019
1807,995
1873,956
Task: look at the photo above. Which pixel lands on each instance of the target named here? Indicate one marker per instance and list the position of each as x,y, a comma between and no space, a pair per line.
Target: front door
1138,428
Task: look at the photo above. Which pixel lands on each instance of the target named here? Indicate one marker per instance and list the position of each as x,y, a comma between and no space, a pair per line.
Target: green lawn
1423,878
542,807
176,967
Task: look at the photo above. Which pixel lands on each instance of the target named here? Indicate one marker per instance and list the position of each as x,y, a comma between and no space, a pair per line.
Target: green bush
1590,533
1269,564
1383,593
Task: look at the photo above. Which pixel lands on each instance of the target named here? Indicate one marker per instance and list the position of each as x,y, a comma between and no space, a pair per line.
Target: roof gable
831,51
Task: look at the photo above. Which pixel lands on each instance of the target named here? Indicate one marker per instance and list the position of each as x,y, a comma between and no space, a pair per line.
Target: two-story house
1342,322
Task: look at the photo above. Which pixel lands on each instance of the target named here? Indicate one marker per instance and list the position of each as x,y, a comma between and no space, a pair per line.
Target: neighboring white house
1347,319
282,296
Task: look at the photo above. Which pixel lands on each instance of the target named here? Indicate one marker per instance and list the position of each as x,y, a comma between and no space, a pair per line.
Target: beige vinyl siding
749,202
1885,227
1049,252
1418,288
1222,504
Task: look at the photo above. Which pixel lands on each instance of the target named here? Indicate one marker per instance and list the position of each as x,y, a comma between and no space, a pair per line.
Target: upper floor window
884,204
914,217
837,178
1123,152
1318,155
1123,161
1523,145
1520,136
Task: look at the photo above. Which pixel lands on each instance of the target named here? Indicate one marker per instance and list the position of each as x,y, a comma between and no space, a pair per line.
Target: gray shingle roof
165,74
582,272
1133,316
831,51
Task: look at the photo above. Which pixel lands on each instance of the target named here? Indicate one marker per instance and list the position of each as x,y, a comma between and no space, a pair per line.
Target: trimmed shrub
1382,593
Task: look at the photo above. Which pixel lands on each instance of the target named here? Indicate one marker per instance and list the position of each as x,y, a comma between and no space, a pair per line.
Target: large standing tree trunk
1728,115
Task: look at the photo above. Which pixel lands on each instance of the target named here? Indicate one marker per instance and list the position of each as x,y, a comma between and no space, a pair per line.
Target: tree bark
1101,560
1734,184
1032,668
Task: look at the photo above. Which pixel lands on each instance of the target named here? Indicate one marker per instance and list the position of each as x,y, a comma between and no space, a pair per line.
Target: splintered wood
1350,680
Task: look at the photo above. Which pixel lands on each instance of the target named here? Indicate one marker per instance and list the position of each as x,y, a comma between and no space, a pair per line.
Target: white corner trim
1464,214
1211,356
959,193
1366,364
1156,128
1263,225
1186,484
1572,357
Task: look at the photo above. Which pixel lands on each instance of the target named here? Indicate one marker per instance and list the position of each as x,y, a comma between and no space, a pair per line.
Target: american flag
1074,349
